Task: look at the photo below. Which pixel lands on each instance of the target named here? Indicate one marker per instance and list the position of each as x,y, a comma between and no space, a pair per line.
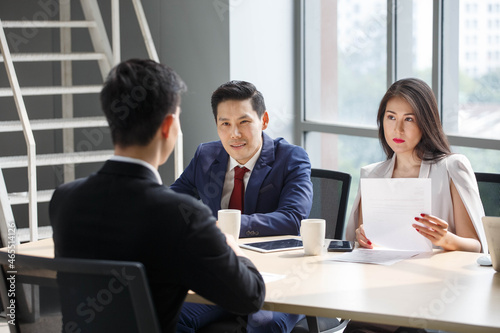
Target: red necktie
238,196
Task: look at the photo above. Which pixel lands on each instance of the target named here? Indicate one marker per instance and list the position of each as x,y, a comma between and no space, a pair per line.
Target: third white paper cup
229,221
492,231
313,236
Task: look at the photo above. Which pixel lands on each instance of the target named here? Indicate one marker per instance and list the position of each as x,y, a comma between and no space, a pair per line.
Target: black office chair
489,190
76,295
330,196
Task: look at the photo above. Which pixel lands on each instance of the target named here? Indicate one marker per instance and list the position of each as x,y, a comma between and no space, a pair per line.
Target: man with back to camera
123,212
277,186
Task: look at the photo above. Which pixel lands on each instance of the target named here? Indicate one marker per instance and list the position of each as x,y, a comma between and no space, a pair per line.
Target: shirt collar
249,165
137,161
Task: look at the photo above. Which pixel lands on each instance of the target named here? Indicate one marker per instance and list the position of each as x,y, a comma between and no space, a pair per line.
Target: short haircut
434,144
239,91
137,96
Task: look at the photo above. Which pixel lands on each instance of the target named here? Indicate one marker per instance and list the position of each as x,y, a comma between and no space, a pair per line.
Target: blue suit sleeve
186,181
295,199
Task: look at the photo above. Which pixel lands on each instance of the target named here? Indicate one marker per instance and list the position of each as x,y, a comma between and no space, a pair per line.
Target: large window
473,66
353,50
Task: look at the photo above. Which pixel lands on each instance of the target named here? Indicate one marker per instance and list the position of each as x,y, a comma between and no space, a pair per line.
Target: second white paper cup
492,231
313,236
229,221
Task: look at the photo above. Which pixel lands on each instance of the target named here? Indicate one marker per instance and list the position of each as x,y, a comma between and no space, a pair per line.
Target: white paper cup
492,231
229,221
313,236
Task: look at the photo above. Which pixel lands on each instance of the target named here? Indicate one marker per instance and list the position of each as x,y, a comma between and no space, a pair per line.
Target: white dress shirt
229,179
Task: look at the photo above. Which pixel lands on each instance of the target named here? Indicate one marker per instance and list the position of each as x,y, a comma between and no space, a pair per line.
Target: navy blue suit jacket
278,194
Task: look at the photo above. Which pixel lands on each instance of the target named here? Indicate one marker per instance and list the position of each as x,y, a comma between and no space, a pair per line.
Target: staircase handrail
28,134
148,39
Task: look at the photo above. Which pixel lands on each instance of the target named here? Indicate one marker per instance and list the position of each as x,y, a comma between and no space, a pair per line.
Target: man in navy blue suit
278,190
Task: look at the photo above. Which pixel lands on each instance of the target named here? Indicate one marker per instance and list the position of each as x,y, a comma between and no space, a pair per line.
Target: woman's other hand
361,238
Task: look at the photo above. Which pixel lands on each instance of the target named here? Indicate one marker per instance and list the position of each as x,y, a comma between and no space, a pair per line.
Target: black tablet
274,245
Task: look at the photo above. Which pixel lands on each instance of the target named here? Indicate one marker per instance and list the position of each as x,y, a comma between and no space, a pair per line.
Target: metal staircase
106,55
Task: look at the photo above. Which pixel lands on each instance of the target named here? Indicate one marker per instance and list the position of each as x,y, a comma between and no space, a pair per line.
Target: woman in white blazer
416,147
415,144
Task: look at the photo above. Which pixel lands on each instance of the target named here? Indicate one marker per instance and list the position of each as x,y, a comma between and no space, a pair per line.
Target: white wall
194,41
261,35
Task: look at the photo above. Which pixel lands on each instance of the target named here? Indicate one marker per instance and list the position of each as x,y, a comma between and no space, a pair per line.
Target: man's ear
166,124
265,120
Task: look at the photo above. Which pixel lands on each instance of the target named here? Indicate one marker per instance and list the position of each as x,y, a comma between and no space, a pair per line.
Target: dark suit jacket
122,213
279,192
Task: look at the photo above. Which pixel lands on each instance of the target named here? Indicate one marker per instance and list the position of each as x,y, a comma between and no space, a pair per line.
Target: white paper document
390,206
271,277
375,256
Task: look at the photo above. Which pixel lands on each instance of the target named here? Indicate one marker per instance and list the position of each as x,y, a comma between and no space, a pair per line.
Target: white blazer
456,167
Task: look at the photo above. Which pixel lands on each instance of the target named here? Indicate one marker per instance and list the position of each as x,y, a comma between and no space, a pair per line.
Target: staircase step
9,162
23,234
26,57
48,24
49,124
40,91
19,198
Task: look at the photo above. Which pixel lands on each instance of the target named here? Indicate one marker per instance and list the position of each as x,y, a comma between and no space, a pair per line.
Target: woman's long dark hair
433,145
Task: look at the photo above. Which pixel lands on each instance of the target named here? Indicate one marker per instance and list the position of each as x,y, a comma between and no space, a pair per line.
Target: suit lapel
389,170
259,173
217,174
425,170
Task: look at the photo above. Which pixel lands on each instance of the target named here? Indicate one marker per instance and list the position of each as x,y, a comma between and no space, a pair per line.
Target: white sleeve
463,177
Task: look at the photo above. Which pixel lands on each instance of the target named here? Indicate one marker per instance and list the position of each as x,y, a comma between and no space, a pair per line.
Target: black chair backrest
76,295
331,193
489,190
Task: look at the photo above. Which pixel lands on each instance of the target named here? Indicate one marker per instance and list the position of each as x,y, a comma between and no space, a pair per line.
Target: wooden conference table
444,290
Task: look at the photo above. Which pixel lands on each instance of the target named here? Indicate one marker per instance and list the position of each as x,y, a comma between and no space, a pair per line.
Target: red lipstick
398,140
